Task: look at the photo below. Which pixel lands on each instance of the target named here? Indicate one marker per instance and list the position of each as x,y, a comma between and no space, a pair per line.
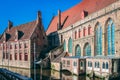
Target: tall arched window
79,33
77,51
98,39
70,45
111,37
64,45
87,50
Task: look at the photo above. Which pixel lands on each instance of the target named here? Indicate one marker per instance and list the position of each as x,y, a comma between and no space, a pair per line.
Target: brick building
17,44
90,28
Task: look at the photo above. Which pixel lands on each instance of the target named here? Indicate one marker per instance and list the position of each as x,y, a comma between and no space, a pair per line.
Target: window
26,57
68,63
20,46
15,46
87,50
70,45
3,55
84,32
75,34
20,56
10,46
10,56
75,63
103,66
98,65
95,64
81,64
90,64
15,56
111,37
79,33
6,55
98,39
106,65
89,30
77,51
25,45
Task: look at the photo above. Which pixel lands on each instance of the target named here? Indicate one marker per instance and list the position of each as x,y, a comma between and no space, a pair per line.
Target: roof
77,57
104,57
26,29
74,13
58,59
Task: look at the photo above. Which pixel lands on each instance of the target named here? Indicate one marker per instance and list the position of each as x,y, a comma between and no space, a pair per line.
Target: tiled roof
74,13
26,30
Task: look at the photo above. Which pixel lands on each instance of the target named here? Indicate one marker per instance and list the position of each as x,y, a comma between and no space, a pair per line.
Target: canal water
47,74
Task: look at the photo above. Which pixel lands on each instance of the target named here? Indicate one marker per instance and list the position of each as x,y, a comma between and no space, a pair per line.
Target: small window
103,65
15,56
26,57
98,65
10,46
75,63
20,46
79,33
6,55
25,45
95,64
68,63
90,64
15,46
75,34
20,56
10,56
3,55
89,30
81,64
84,32
106,65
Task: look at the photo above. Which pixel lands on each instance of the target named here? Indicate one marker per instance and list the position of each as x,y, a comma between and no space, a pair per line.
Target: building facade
18,44
90,33
91,28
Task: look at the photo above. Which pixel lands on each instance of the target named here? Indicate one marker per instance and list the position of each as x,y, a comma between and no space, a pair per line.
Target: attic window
84,14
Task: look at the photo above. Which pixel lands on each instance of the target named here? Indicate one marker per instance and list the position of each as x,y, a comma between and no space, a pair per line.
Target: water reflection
51,74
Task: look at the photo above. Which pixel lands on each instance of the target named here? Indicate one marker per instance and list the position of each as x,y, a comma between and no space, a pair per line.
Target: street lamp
40,62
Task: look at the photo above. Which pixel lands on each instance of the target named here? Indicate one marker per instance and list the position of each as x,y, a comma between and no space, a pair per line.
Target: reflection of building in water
55,74
90,28
17,45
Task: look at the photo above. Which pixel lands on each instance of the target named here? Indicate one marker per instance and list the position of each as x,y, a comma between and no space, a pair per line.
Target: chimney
4,37
16,35
38,16
10,25
59,19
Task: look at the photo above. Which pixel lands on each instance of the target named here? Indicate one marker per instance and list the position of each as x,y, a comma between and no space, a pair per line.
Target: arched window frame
77,50
70,45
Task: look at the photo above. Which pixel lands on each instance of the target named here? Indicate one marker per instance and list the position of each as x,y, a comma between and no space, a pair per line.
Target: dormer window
84,14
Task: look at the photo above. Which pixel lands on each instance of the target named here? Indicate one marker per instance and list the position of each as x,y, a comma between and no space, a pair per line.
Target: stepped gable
74,13
25,31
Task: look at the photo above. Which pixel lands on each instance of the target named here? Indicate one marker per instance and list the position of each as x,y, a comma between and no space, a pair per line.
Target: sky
23,11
